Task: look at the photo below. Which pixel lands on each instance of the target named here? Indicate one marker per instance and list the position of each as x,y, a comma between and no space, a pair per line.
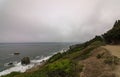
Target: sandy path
114,50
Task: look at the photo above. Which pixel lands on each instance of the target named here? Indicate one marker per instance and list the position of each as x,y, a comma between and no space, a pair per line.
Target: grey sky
56,20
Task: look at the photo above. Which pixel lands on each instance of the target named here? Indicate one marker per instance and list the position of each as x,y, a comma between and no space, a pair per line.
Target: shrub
55,57
100,55
111,60
60,68
113,36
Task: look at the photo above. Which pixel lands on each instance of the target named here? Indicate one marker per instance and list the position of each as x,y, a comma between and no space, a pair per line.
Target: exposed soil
114,50
94,67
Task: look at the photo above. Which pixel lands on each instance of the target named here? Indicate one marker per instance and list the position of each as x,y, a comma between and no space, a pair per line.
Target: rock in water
16,53
25,61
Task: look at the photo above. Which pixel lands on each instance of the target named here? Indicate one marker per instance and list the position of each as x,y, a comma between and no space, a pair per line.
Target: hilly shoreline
89,59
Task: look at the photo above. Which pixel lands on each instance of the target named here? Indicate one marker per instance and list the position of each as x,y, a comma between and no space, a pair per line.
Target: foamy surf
20,68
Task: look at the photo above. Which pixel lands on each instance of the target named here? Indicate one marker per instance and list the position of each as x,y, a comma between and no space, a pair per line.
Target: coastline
20,68
34,63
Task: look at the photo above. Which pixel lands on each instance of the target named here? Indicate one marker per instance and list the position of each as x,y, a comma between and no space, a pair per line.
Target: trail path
114,50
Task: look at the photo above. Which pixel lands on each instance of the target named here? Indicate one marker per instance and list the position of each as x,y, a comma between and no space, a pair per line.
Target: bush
112,60
113,35
60,68
100,55
55,57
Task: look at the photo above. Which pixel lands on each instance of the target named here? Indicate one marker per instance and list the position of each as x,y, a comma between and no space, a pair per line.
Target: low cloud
56,20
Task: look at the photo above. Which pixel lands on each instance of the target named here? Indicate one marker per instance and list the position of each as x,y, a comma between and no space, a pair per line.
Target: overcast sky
56,20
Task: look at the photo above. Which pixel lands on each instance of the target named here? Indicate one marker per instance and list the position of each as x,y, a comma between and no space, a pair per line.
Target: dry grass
94,67
114,50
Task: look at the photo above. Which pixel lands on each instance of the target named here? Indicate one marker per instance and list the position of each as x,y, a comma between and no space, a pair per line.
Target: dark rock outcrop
10,63
16,53
25,61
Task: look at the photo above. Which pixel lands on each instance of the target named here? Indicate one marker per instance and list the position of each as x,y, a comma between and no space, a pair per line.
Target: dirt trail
114,50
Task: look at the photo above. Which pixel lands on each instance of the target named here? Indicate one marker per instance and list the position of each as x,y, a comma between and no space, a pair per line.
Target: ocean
35,51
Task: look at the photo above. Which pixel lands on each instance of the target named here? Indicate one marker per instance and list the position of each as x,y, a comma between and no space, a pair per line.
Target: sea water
35,51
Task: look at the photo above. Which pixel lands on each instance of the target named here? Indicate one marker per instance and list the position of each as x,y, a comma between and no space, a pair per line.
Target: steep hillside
88,59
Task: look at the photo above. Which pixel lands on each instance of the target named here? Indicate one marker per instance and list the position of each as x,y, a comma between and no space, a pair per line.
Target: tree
113,35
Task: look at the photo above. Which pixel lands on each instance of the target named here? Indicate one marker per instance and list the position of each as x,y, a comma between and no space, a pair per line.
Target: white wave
20,68
63,50
11,54
10,63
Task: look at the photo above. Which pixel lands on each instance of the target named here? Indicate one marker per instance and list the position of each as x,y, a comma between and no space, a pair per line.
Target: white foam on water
22,68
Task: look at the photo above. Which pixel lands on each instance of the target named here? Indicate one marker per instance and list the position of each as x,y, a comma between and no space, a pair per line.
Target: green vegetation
64,64
96,42
12,74
111,60
100,55
60,68
67,64
55,57
113,35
